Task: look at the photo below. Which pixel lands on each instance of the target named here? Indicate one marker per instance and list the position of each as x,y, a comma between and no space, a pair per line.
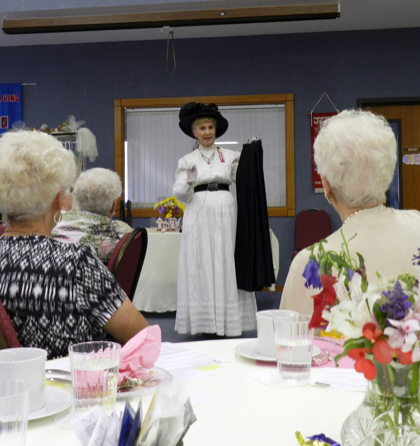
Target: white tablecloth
240,411
157,287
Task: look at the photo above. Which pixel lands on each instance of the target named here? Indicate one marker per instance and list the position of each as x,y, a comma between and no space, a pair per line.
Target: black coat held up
253,257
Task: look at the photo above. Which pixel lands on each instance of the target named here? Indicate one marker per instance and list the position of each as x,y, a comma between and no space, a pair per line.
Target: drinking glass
14,409
294,347
94,369
266,345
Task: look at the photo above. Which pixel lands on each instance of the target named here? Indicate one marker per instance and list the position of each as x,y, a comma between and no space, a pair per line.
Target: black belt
212,187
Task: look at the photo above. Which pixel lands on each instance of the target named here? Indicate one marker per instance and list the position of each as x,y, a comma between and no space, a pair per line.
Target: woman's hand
191,173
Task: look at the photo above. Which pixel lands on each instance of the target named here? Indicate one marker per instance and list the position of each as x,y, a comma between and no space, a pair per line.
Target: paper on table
186,376
59,364
340,379
173,358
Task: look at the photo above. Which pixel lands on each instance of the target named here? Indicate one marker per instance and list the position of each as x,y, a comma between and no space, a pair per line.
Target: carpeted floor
166,321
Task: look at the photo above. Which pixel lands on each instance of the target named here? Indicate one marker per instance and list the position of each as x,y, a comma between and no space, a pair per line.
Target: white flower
344,318
405,335
415,357
353,310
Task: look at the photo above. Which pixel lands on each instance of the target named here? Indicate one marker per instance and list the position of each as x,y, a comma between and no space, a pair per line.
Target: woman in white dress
208,298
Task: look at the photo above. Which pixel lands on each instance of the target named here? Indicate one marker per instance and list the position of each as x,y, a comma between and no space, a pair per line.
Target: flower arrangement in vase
381,324
170,207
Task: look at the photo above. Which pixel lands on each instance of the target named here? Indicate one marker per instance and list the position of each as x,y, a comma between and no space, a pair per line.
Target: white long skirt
208,298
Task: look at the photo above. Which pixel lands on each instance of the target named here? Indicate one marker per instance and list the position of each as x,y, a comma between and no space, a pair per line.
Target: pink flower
405,335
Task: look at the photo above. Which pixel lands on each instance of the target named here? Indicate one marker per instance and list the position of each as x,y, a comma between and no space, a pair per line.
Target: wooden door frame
365,102
397,101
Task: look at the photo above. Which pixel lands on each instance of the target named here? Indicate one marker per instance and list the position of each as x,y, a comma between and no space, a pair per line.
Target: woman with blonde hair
208,297
55,294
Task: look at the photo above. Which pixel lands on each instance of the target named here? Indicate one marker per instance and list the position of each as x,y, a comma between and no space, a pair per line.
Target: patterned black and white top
56,294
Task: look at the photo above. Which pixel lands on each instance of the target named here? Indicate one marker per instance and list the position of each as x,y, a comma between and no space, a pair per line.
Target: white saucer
249,350
56,400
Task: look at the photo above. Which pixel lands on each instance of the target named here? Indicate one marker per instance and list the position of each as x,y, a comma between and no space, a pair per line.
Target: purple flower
398,303
311,274
416,259
350,273
160,209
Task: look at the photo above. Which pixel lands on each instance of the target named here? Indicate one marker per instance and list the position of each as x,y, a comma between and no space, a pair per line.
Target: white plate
56,400
157,378
249,350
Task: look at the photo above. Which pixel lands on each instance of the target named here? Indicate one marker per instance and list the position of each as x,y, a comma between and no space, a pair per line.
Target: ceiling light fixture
158,15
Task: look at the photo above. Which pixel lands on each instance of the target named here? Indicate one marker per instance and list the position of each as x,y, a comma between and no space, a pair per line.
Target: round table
240,410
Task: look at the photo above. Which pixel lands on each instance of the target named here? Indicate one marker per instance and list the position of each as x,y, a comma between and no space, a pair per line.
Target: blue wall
84,80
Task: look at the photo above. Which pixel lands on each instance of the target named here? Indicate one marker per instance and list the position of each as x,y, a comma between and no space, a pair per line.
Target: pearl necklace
350,216
209,159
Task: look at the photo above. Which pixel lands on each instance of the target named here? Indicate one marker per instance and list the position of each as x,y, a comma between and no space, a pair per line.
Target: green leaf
380,316
348,345
339,261
361,260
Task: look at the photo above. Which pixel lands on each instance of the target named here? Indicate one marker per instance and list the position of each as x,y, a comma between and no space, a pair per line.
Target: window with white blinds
154,144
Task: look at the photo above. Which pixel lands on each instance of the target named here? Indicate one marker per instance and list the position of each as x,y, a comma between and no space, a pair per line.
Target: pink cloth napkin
140,353
334,349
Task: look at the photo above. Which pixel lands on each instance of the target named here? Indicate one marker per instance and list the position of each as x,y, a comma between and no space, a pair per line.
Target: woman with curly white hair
96,192
55,294
355,154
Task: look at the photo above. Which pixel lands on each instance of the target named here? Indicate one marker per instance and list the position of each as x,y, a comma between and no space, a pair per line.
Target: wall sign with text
316,121
10,105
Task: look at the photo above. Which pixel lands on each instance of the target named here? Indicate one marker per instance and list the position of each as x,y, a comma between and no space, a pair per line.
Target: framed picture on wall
394,194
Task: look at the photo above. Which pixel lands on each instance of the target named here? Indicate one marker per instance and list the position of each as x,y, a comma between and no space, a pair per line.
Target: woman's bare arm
126,322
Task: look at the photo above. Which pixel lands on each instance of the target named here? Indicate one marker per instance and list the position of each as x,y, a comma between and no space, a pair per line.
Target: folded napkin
168,419
95,428
140,353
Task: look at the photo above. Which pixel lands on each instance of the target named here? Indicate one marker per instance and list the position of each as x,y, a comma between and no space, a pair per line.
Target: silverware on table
57,372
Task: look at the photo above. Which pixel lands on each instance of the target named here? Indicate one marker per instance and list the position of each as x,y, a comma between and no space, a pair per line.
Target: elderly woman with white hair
55,294
355,154
96,192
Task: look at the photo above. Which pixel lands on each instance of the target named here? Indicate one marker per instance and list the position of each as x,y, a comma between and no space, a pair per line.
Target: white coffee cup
266,345
26,364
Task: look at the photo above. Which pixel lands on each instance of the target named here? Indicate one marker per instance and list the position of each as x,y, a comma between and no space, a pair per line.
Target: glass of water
14,409
94,372
294,347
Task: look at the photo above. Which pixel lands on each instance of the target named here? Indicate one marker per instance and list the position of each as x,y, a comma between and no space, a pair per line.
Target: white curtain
155,143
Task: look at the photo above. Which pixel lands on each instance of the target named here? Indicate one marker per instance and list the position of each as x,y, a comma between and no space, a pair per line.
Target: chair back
127,260
8,336
127,217
311,226
122,210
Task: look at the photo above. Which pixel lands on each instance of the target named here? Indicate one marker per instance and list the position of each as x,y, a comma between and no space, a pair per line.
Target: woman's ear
326,186
194,132
59,201
113,209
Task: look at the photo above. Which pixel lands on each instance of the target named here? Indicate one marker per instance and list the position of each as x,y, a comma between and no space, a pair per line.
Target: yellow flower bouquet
170,207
